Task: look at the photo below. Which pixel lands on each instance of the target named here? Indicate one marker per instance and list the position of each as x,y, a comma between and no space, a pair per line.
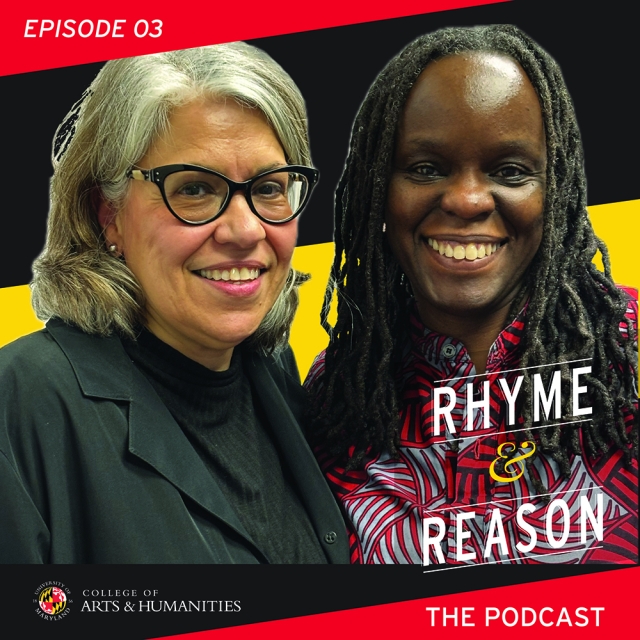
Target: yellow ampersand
511,462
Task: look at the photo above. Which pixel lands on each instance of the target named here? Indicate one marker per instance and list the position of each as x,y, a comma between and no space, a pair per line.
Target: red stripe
616,591
205,23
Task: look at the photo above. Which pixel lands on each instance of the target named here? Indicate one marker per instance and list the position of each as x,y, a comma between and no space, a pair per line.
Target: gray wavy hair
107,131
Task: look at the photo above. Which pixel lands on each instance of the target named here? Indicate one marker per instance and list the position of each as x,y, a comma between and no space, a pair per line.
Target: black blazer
94,469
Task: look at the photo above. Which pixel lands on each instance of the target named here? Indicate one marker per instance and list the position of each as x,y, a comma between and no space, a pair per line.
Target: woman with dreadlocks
480,377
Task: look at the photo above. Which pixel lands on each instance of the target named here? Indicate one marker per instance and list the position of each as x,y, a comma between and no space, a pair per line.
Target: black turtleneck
222,418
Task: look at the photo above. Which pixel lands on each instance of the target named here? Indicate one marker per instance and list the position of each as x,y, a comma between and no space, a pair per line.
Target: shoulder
31,357
286,360
313,381
631,313
52,376
59,349
35,375
632,300
37,384
280,366
278,369
632,293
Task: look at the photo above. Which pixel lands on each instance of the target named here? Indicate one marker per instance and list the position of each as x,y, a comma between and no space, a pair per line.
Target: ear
110,221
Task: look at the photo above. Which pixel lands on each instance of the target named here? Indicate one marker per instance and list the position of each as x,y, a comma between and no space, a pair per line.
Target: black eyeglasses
197,195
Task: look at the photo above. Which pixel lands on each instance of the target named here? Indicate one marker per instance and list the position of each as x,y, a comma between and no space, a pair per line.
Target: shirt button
448,351
330,537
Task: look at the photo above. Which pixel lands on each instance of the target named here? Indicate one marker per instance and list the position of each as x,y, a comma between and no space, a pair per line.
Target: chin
238,332
463,303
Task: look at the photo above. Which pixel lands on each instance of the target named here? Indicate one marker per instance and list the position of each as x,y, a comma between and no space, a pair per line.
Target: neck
214,357
477,332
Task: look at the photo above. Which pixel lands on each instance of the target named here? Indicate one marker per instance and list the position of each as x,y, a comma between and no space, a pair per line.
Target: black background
334,68
265,593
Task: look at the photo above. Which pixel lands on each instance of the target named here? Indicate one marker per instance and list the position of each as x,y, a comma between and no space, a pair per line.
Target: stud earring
384,227
113,248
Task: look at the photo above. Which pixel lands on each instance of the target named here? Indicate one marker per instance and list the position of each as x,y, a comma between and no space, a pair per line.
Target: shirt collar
447,353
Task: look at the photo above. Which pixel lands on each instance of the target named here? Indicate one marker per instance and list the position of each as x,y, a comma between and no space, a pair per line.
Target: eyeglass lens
196,195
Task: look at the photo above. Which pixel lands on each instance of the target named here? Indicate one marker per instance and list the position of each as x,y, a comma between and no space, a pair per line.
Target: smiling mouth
230,275
471,251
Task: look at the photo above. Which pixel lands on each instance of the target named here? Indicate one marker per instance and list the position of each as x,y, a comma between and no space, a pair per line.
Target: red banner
580,607
40,35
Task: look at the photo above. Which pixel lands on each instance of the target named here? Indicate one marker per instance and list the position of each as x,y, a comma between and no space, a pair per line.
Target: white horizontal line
537,366
493,433
480,564
538,495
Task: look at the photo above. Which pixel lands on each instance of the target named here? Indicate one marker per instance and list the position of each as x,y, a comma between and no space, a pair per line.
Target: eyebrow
261,169
273,165
431,145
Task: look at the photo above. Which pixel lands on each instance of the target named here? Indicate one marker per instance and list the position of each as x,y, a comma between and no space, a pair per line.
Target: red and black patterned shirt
449,474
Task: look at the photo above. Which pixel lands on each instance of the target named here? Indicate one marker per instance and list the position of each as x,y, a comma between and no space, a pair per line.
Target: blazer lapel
156,438
316,496
104,370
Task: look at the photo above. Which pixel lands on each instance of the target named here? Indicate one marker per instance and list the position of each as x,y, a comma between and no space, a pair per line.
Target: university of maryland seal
53,600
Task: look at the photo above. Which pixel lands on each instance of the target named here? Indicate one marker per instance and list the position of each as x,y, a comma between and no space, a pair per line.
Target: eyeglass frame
158,175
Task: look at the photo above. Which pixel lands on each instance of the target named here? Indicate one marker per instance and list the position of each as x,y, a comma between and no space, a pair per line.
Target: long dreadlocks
575,311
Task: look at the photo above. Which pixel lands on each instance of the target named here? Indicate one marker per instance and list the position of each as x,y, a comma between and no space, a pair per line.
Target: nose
468,195
238,224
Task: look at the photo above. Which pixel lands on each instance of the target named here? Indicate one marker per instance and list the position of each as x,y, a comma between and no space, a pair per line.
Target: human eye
512,174
270,188
194,190
194,186
424,172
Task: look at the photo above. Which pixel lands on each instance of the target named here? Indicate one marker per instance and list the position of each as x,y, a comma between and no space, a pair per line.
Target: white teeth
470,252
234,274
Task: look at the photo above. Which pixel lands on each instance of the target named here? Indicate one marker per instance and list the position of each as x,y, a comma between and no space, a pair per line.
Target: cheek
154,244
528,207
534,227
400,225
282,239
406,208
398,204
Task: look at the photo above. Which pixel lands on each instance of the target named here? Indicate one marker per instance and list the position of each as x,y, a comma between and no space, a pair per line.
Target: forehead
212,125
473,89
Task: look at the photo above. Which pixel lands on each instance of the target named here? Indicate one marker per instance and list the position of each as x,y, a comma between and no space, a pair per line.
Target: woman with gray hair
154,419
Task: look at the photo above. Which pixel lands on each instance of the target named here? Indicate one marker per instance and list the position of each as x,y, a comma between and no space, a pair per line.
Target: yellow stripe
618,224
17,317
